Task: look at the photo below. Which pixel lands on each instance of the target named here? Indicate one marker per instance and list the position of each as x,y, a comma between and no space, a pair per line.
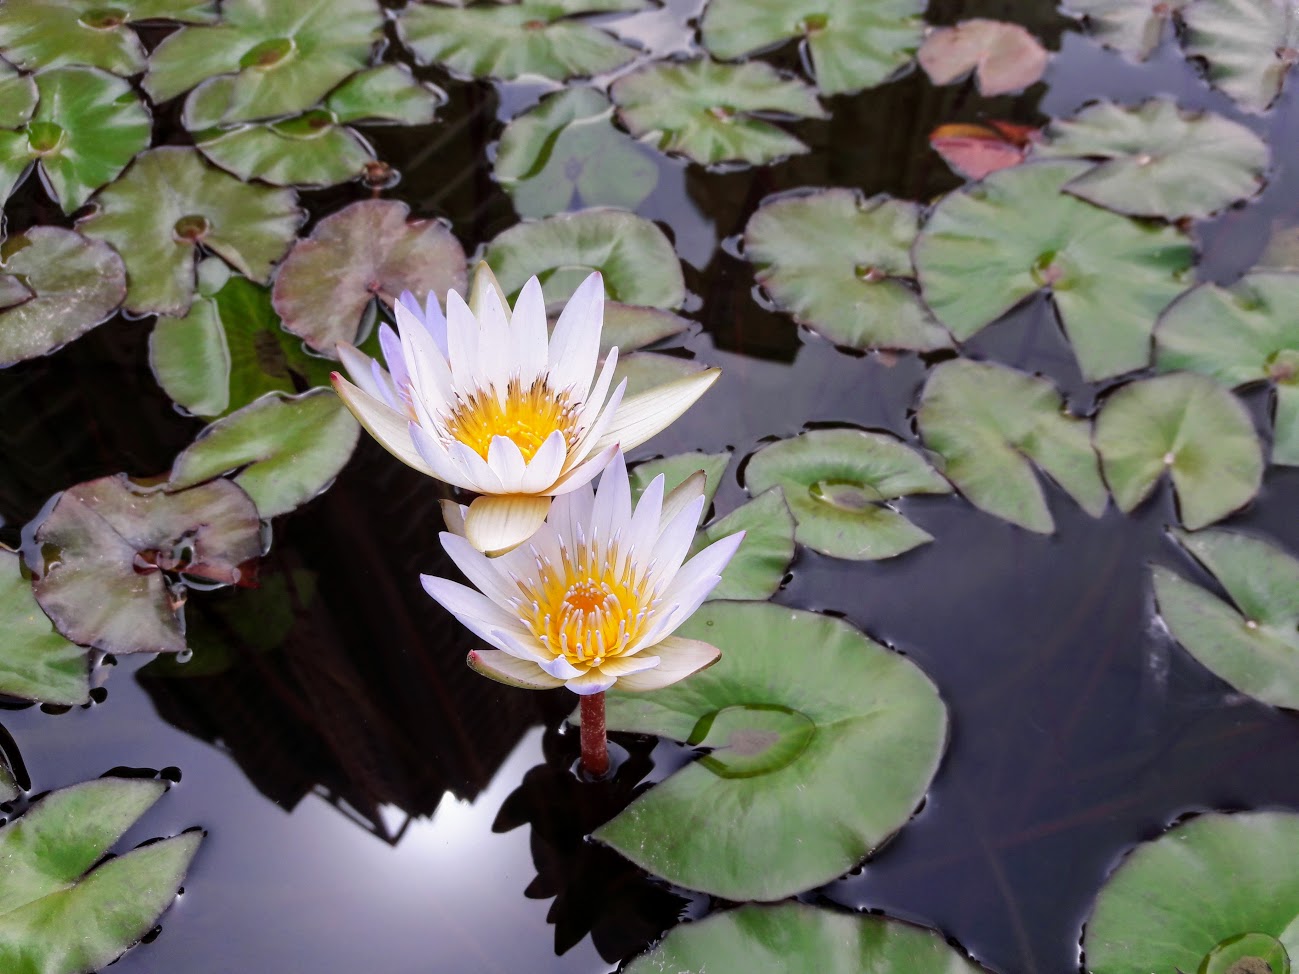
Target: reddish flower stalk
595,743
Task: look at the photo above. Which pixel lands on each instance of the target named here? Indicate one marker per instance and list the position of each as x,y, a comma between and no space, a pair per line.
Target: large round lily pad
1134,27
109,544
1253,641
168,204
712,112
365,251
991,425
1157,160
987,248
812,731
1186,426
851,45
837,483
1003,57
56,286
1240,335
37,663
62,909
1176,902
841,264
1249,46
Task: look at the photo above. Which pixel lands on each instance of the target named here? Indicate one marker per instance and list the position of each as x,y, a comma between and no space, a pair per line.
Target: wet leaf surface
977,150
37,663
676,469
631,327
645,370
759,565
1003,57
1249,46
1134,27
18,96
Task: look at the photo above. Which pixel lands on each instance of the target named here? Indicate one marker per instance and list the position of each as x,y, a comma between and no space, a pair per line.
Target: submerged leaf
1004,57
1249,46
37,663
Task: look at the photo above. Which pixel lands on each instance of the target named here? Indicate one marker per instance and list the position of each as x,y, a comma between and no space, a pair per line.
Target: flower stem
595,744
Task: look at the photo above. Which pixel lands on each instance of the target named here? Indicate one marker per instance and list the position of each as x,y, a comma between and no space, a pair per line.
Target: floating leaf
636,258
645,370
1240,335
1178,902
976,150
1281,252
387,93
1004,57
987,248
712,112
793,936
1134,27
851,45
760,563
1157,160
285,449
282,58
37,663
991,424
628,327
1188,427
62,909
1253,641
18,96
813,730
567,148
9,789
837,483
677,468
841,265
168,204
103,582
1249,46
367,250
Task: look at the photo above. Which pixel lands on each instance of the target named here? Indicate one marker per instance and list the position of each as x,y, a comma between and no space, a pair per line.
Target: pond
1005,314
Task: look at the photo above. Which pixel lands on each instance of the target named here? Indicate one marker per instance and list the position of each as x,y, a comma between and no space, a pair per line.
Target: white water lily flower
484,400
592,599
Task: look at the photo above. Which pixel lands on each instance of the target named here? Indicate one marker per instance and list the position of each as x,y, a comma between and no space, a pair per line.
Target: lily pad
1003,57
282,57
638,262
511,40
1157,160
1134,27
282,450
676,469
1186,426
107,544
18,96
988,247
759,565
87,127
1240,335
73,284
793,936
168,204
387,93
1249,46
567,149
628,327
812,730
841,264
365,251
53,33
9,789
991,424
1178,902
645,370
837,483
62,909
1251,642
37,663
712,112
851,45
978,149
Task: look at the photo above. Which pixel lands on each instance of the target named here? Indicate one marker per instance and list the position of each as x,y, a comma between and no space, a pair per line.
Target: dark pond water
372,805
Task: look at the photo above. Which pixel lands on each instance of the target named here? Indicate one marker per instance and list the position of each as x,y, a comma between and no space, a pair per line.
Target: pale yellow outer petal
384,423
510,670
497,523
641,416
678,659
681,496
483,280
453,516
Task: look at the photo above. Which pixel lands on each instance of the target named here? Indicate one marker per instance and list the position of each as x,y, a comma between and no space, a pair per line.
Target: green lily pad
9,789
1158,160
758,567
1281,253
1134,27
1186,426
628,327
38,663
387,93
645,370
813,730
991,424
87,127
676,469
62,910
73,284
1003,57
368,250
1249,46
987,248
18,96
841,264
837,483
1240,335
511,40
107,544
52,33
1253,641
639,264
712,112
285,449
793,936
567,149
282,57
168,204
851,45
1183,900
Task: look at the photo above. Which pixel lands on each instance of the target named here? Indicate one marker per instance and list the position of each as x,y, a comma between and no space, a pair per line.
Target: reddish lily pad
1003,57
975,150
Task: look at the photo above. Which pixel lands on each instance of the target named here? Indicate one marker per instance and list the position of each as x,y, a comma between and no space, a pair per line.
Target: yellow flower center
526,416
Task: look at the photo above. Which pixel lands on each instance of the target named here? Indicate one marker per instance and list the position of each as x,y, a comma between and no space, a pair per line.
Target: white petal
688,492
612,512
673,543
475,611
430,375
643,530
498,522
595,405
528,333
522,645
678,659
645,414
506,460
462,344
478,470
514,672
383,422
595,432
575,344
546,464
569,510
621,666
691,586
483,282
482,572
394,356
495,343
592,681
561,668
360,367
439,463
584,472
453,516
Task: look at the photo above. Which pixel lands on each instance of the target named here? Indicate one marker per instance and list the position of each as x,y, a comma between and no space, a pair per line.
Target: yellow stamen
526,416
